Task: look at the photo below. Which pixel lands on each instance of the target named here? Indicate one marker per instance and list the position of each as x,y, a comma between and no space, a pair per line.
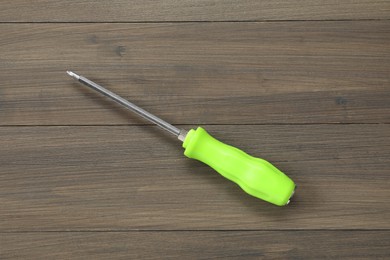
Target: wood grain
189,10
196,73
172,245
130,178
303,84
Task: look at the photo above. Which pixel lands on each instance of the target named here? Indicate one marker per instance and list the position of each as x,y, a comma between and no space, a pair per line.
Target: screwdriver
255,176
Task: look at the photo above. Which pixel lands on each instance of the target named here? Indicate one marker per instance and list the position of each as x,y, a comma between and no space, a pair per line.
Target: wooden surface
191,10
303,84
197,244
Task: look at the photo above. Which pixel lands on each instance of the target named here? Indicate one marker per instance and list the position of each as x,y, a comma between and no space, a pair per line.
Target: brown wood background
303,84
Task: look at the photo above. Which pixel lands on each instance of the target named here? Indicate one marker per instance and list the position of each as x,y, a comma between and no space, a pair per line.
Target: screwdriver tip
74,75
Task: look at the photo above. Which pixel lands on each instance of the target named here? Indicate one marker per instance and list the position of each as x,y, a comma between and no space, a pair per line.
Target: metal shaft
179,133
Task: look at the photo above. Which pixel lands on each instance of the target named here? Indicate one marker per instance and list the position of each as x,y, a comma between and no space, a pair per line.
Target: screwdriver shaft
143,113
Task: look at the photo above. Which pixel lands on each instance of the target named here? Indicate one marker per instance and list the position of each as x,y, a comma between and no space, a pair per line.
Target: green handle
255,176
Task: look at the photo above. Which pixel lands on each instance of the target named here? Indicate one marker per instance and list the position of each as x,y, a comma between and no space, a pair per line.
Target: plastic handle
255,176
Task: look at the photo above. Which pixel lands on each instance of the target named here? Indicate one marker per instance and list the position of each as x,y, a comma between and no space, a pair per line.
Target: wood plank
189,10
130,178
200,244
197,73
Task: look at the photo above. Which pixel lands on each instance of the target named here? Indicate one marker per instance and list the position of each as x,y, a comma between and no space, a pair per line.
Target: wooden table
303,84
